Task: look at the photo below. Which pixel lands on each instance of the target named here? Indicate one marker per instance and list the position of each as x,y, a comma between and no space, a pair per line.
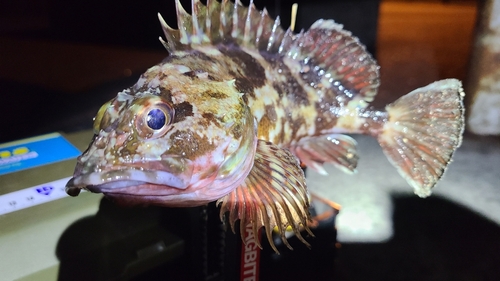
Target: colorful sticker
34,152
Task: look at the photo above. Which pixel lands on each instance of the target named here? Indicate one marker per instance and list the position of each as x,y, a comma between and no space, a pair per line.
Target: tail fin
423,130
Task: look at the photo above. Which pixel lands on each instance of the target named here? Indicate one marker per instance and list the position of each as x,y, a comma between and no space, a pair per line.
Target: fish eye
156,119
153,115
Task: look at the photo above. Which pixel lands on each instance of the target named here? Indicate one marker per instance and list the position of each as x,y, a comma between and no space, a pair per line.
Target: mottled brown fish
238,102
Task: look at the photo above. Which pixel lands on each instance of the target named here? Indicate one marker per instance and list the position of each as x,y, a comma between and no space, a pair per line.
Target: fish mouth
129,181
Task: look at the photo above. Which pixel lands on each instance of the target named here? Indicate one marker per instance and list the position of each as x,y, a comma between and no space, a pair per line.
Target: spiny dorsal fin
327,54
222,22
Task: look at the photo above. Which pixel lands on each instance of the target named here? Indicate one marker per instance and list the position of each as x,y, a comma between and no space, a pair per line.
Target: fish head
171,140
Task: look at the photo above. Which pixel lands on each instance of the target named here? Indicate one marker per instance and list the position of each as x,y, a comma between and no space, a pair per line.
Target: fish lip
114,180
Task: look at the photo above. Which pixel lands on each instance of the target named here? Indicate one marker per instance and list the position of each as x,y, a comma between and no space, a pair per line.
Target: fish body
240,103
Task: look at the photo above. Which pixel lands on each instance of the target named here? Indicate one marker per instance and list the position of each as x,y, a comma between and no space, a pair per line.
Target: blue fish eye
156,119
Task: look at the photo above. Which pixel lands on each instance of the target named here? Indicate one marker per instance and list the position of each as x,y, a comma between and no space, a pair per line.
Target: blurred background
61,60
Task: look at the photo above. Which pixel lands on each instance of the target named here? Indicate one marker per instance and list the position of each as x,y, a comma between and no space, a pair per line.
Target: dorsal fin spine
272,39
260,28
225,13
208,20
234,28
248,21
198,32
212,7
172,35
184,21
167,31
194,16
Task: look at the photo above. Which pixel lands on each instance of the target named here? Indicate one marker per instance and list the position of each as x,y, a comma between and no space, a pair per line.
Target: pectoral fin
336,149
273,195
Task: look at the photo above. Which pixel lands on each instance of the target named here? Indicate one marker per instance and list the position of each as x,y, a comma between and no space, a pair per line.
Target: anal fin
336,149
274,195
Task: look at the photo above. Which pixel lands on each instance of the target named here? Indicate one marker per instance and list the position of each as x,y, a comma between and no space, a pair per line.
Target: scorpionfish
239,104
